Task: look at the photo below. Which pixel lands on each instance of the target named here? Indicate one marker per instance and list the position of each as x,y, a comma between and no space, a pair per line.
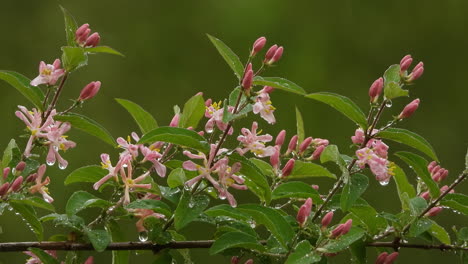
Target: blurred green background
337,46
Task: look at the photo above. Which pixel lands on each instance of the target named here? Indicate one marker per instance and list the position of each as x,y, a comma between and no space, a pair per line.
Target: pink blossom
154,156
58,141
276,56
280,138
5,172
215,114
4,188
254,143
175,121
228,178
48,73
275,158
358,137
417,72
142,214
40,185
288,168
342,229
269,54
434,211
82,33
380,148
380,167
93,40
36,260
405,63
304,145
391,258
264,106
317,152
248,78
113,171
381,258
292,145
128,147
15,186
126,174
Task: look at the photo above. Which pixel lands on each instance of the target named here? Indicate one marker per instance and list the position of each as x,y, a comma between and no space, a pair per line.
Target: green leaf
226,210
369,216
28,214
417,205
342,242
99,238
235,240
36,202
307,170
70,27
419,165
462,234
176,178
392,74
229,56
299,126
31,166
234,95
81,200
303,254
343,105
103,49
163,257
178,136
263,166
466,161
403,186
43,256
409,138
272,220
189,208
456,201
393,90
353,189
279,83
117,235
86,174
87,125
331,153
144,120
419,226
73,58
194,110
254,178
10,155
155,205
439,232
358,252
296,189
22,84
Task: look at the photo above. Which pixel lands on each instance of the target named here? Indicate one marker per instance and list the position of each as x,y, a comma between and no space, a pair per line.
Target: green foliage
352,190
118,256
439,233
88,126
99,238
229,56
228,211
189,208
81,200
307,170
86,174
296,190
70,27
331,153
144,120
74,58
155,205
392,87
303,254
279,83
33,201
235,240
103,49
28,214
176,178
410,139
342,242
22,84
194,109
178,136
403,186
299,126
456,201
11,155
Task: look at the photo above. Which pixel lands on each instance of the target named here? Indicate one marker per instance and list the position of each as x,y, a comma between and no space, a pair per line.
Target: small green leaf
462,234
343,105
36,202
22,84
117,235
419,226
73,58
307,170
417,205
358,252
409,138
353,189
226,210
31,166
439,233
341,243
419,165
70,27
393,90
43,256
456,201
369,216
234,95
176,178
178,136
331,153
155,205
144,120
99,238
28,214
87,125
303,254
263,166
402,183
296,189
229,56
189,208
194,110
279,83
392,74
299,126
272,220
235,240
81,200
10,155
103,49
86,174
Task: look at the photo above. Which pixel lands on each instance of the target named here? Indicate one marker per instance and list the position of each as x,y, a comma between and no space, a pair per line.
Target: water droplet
143,236
55,148
209,130
388,103
50,163
62,166
384,183
252,224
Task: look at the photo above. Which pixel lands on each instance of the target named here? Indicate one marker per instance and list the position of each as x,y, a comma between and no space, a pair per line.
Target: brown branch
419,246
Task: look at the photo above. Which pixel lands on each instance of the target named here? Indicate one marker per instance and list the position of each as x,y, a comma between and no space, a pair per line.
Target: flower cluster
438,174
48,73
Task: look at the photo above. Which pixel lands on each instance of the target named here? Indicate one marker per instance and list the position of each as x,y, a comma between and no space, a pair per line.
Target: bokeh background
337,46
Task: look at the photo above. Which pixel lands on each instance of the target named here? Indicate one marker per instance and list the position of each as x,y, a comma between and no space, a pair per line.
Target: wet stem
56,97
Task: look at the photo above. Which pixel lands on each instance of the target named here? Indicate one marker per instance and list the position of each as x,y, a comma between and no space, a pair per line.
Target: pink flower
269,54
58,141
113,171
417,72
128,147
48,73
342,229
280,138
153,156
380,167
228,178
40,185
248,78
264,107
276,56
215,114
93,40
142,214
358,137
292,145
126,174
35,259
380,148
254,143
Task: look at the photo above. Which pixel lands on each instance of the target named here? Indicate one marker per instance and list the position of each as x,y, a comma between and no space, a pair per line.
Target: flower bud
248,79
305,144
93,40
268,89
318,151
405,63
89,91
258,45
381,258
376,89
274,159
234,260
337,231
315,187
347,226
326,220
417,72
249,261
287,169
277,56
425,195
89,260
4,188
434,211
31,177
208,102
292,145
15,186
20,167
431,166
304,212
6,171
271,51
391,258
82,33
175,121
445,188
280,138
409,109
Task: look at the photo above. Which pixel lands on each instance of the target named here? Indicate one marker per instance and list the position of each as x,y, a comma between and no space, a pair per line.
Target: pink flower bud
31,177
431,166
249,261
435,169
376,89
89,260
15,186
248,68
208,102
20,166
6,171
201,133
258,45
405,63
292,144
305,144
271,51
337,231
287,169
347,226
417,72
444,174
425,195
445,188
381,258
199,94
434,211
277,56
315,187
274,159
280,138
391,258
248,79
234,260
82,33
4,188
437,177
93,40
89,91
409,109
318,151
304,212
268,89
175,121
326,220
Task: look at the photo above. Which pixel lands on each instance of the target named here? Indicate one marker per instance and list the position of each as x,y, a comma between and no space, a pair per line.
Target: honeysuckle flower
248,77
380,148
58,141
215,114
5,172
258,46
16,184
326,220
381,258
82,33
128,147
153,156
228,178
342,229
126,174
276,56
417,72
317,152
280,138
275,158
270,52
89,91
48,73
434,211
305,144
376,89
438,173
409,109
89,260
287,169
93,40
40,186
4,188
292,145
380,167
175,121
142,214
113,171
304,212
405,63
36,260
254,143
263,106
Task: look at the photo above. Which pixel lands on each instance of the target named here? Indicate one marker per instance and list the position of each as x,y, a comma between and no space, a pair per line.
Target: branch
420,246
